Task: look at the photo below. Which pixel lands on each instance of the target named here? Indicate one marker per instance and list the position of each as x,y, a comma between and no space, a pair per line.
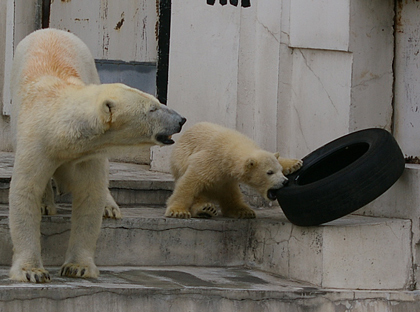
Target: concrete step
130,184
193,289
402,200
350,253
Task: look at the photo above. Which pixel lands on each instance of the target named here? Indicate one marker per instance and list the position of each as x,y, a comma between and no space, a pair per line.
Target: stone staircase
365,262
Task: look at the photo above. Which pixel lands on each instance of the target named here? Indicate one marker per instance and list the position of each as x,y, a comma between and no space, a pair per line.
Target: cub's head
135,117
264,173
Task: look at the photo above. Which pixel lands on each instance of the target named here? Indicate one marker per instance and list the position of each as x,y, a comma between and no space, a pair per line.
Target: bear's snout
172,123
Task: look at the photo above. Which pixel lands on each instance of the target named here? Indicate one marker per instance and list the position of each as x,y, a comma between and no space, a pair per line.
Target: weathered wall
292,75
335,71
407,77
26,20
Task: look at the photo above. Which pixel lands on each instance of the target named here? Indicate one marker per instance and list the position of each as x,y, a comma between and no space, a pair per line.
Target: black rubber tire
341,177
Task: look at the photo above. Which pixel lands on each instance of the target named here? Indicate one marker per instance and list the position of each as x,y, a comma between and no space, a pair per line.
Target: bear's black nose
183,120
285,182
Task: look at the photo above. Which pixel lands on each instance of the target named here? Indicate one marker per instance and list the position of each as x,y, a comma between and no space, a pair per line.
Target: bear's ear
108,106
277,155
250,163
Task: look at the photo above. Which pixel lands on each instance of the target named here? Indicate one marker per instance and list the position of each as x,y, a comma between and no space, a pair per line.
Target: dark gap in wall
244,3
163,50
45,15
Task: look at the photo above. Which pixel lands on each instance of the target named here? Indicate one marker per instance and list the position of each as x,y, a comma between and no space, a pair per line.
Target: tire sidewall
348,189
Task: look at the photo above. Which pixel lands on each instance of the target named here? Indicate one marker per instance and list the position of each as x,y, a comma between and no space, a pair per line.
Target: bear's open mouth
165,139
271,194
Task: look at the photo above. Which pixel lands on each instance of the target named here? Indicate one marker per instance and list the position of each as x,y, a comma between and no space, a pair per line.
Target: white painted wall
116,30
321,24
291,74
407,78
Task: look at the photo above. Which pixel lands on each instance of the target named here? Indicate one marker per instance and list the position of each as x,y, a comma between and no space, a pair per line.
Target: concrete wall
407,77
25,20
292,75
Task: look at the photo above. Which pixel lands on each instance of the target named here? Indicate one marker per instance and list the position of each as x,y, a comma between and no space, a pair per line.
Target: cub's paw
112,212
181,213
291,165
247,213
33,275
48,210
206,210
77,270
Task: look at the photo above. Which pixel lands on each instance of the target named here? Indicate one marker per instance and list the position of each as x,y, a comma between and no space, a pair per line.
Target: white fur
64,123
208,163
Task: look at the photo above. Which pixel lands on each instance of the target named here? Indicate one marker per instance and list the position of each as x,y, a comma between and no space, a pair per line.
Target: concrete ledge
352,253
180,289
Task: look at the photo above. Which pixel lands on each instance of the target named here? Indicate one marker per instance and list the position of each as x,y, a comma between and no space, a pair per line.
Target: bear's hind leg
112,210
232,203
186,189
48,206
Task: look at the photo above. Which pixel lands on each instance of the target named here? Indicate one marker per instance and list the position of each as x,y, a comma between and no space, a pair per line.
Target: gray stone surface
152,263
181,289
352,252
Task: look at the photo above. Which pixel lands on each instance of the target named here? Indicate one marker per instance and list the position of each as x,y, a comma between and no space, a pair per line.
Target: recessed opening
332,163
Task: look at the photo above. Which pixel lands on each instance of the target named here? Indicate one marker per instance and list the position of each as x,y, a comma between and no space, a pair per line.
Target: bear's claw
76,270
112,212
292,166
34,275
180,214
206,210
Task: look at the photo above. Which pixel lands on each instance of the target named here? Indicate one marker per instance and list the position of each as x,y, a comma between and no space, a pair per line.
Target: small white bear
208,163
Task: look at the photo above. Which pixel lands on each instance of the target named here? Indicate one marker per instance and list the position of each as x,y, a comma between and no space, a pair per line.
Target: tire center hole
332,163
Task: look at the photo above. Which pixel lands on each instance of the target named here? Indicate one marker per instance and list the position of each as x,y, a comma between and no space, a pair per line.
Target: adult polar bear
65,122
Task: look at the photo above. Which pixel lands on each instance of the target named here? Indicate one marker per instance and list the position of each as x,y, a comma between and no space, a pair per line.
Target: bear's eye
270,172
153,109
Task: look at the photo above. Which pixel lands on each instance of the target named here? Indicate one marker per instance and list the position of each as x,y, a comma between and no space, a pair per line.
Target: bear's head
264,173
134,117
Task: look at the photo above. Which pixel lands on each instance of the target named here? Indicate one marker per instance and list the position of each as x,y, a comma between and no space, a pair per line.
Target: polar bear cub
209,161
65,123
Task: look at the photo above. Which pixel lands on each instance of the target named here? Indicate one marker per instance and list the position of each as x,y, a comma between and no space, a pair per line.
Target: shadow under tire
341,177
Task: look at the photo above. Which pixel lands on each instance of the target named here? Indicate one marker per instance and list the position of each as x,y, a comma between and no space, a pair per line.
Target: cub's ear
277,155
250,163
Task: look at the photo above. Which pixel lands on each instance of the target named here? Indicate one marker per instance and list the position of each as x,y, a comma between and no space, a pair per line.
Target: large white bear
65,122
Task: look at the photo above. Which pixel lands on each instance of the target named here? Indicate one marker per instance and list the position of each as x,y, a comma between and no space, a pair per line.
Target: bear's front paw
181,213
291,165
33,275
77,270
206,210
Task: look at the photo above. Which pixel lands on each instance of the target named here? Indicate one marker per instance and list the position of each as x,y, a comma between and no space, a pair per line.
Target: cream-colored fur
65,123
208,163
